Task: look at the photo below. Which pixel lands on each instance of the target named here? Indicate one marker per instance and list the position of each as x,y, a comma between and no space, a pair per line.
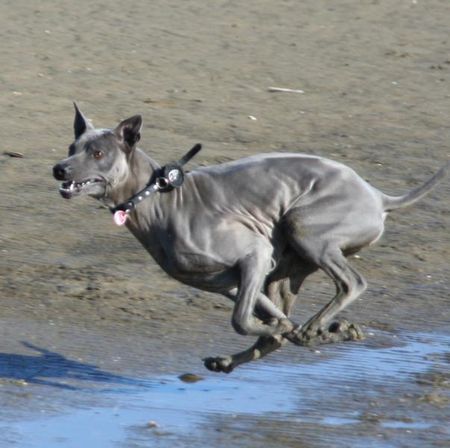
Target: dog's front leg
269,307
253,271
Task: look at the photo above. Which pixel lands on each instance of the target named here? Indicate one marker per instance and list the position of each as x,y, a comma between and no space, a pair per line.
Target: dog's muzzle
70,187
62,171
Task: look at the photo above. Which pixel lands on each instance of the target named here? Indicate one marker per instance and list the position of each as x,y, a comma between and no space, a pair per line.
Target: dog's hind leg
284,291
263,346
350,284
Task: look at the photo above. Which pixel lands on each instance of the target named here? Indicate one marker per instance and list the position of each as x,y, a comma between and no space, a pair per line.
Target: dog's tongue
120,217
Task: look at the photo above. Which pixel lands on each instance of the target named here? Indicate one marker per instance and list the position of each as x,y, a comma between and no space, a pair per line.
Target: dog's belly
220,282
201,272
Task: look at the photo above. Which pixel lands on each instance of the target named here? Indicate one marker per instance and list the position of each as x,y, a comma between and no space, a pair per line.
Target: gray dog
252,229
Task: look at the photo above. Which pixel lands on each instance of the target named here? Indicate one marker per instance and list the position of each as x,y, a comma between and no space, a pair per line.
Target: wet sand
90,326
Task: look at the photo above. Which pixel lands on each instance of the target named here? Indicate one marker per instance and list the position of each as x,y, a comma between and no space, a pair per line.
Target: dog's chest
186,259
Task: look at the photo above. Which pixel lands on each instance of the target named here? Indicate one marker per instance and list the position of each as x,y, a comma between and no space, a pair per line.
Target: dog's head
98,158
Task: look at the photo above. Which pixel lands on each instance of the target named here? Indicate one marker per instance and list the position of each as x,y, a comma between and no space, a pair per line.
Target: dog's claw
219,364
356,332
336,332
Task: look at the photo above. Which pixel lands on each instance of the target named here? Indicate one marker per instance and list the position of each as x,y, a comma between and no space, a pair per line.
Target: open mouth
88,186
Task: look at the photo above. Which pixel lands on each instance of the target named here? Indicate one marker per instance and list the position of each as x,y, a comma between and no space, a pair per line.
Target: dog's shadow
52,369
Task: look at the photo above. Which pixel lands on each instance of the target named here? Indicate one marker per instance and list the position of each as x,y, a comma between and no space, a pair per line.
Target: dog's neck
140,170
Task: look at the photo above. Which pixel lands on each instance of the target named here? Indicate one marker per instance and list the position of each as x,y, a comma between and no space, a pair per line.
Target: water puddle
406,425
110,411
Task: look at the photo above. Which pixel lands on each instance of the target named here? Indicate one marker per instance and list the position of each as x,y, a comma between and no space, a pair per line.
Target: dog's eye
98,155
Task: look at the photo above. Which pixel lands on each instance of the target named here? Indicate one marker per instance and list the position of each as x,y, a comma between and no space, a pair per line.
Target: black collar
164,179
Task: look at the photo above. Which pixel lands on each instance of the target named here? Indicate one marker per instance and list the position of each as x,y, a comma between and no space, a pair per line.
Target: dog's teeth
72,186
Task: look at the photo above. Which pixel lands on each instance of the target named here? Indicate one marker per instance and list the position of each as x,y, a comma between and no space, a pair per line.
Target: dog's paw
336,332
219,364
345,331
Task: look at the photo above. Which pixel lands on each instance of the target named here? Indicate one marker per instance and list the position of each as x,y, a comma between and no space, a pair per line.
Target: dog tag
120,217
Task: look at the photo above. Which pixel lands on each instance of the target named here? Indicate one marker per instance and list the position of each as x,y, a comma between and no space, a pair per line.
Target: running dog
251,229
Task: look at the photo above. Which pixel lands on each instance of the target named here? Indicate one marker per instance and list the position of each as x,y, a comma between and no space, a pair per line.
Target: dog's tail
393,202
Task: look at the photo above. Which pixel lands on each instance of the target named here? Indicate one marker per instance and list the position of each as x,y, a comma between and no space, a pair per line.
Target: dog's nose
61,171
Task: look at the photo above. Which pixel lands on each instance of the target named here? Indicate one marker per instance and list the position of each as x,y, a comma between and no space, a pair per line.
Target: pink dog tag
120,217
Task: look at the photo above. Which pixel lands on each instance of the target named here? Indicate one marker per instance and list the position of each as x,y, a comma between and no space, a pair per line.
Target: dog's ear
81,124
129,131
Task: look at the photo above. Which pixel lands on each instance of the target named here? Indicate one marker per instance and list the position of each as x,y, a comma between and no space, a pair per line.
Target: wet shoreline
398,387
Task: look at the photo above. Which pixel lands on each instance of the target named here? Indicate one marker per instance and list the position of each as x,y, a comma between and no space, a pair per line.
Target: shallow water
94,408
